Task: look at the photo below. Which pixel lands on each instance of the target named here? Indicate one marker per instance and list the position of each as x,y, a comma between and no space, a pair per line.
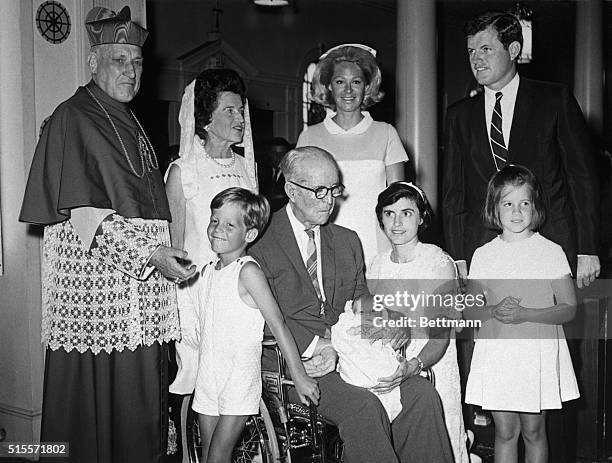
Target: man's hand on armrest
323,360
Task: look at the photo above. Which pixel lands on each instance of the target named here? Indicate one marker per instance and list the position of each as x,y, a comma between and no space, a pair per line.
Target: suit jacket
549,136
272,188
343,276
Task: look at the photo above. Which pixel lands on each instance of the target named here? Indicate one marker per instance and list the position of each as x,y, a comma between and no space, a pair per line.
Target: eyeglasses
322,191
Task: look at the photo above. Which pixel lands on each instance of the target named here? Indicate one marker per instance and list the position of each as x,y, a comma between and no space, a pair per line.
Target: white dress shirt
301,237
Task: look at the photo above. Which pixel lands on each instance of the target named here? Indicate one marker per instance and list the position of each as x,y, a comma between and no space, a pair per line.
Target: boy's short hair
398,190
515,176
255,208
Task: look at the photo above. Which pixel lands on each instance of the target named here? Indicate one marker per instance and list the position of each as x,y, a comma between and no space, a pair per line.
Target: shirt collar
509,90
335,129
299,230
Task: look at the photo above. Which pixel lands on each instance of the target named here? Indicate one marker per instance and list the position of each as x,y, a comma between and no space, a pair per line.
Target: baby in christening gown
362,362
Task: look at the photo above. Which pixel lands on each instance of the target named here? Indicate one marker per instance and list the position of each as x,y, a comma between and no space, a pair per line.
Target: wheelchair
282,430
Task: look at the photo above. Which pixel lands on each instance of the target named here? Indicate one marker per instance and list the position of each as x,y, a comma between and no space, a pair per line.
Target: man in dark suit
519,121
314,269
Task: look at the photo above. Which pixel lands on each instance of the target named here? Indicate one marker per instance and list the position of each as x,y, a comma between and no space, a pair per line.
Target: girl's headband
356,45
414,187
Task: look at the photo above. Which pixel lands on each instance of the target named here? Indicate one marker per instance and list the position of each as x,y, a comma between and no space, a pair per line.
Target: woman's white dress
202,178
229,371
427,264
524,367
362,152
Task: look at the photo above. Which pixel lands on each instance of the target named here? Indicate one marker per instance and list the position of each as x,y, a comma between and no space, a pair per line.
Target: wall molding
6,409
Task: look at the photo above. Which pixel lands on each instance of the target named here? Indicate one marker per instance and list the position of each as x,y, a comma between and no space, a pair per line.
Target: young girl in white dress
403,212
521,365
235,301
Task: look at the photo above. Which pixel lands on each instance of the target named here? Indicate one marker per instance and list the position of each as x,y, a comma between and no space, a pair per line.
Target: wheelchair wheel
257,443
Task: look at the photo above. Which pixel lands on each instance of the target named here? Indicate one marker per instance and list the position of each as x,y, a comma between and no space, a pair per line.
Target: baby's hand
371,329
307,388
354,330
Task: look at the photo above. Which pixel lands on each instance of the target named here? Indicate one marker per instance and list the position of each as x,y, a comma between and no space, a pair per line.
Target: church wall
278,42
20,349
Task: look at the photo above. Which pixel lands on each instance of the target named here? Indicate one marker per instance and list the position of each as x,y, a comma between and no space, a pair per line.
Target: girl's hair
324,72
398,190
209,84
255,208
515,176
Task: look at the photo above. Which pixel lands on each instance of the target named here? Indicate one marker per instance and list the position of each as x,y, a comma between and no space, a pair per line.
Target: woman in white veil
214,119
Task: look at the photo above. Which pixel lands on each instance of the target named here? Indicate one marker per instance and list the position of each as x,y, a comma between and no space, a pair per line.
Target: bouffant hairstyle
324,72
506,25
255,208
516,176
398,190
209,84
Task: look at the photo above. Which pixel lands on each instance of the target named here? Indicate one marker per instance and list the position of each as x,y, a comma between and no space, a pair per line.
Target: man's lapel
328,263
288,244
481,152
520,121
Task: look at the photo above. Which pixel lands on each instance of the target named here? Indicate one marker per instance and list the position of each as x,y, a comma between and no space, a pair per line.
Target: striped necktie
498,146
311,266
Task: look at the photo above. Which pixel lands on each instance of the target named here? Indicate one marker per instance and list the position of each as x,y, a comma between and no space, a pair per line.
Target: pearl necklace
226,166
148,159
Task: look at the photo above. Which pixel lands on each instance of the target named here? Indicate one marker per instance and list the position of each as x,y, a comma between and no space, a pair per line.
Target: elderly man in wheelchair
315,267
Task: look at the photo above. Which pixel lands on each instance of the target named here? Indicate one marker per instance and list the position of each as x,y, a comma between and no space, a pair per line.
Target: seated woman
403,212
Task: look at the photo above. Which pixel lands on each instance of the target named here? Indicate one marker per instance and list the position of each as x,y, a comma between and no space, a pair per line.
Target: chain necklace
146,152
226,166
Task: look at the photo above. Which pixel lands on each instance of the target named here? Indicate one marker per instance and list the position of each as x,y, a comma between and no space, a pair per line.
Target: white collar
335,129
509,90
298,227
